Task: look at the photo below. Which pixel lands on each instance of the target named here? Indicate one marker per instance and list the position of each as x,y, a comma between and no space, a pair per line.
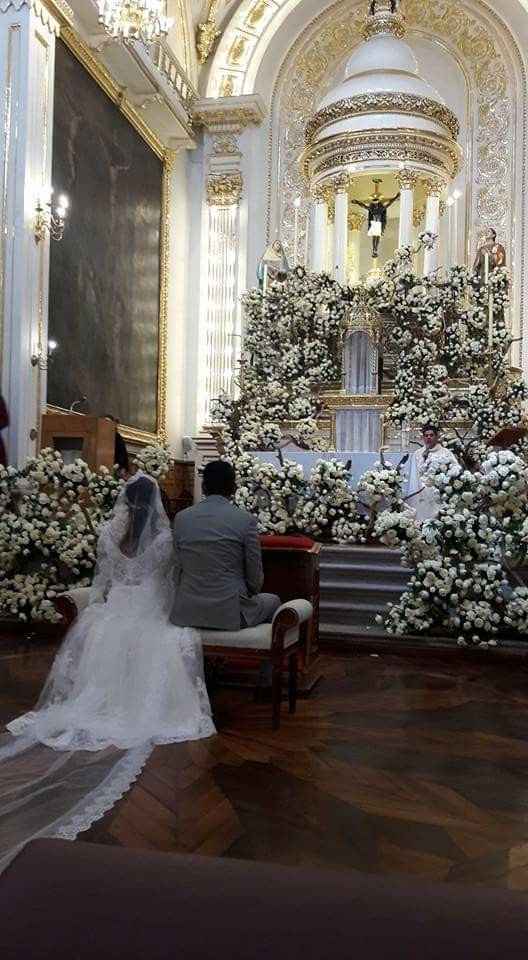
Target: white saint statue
426,502
273,265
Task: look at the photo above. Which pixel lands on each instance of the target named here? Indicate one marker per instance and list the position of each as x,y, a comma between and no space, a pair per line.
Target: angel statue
377,215
273,265
489,256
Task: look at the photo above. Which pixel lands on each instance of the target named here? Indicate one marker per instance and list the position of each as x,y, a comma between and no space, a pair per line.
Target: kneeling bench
280,641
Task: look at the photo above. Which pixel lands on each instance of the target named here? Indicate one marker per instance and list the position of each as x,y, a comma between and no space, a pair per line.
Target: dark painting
105,273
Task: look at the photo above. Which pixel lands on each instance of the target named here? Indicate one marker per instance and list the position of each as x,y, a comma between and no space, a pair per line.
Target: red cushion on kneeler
294,543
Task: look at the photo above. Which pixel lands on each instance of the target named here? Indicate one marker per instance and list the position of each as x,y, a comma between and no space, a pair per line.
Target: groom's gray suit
218,571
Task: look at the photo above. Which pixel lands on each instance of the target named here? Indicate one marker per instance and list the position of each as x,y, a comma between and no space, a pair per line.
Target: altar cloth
361,462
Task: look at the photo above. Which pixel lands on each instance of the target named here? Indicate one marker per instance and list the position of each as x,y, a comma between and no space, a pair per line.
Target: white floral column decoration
224,242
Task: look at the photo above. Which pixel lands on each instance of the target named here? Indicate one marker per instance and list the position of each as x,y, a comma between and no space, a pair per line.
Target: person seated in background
426,501
120,451
218,560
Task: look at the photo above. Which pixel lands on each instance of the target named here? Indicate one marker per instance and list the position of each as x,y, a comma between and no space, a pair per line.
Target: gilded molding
340,401
407,179
318,195
400,146
434,186
224,189
233,113
227,87
338,184
364,322
408,103
207,33
386,23
237,50
418,215
61,11
226,145
256,13
355,220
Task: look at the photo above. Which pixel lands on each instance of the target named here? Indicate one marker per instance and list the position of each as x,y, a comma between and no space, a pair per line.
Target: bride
124,680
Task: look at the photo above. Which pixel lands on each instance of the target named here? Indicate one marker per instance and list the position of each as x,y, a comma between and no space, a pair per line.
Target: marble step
339,633
349,593
358,556
333,573
357,583
347,613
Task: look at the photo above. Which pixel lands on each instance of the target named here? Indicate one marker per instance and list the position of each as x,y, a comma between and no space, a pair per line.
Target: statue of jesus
377,215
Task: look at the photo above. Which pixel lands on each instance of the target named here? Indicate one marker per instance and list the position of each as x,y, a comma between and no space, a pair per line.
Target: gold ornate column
435,186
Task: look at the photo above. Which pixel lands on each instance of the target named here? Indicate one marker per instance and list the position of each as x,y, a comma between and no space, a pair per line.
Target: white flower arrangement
463,556
154,460
50,514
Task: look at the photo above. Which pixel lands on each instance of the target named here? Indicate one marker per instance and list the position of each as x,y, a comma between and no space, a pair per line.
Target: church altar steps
356,584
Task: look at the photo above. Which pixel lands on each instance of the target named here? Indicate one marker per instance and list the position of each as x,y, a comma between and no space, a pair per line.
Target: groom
218,560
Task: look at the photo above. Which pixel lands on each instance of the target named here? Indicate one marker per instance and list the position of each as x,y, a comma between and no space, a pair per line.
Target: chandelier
131,20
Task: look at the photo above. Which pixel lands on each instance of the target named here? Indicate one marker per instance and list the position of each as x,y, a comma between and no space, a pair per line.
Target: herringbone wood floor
395,764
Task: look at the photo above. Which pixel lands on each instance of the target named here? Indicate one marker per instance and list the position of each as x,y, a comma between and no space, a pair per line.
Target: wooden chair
281,642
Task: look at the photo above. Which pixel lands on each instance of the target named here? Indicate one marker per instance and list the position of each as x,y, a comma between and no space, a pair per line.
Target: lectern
76,435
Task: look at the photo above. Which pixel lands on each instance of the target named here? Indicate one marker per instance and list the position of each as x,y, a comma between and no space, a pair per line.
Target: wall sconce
50,219
38,358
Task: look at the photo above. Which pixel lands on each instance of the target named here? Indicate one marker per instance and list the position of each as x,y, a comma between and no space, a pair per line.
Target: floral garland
50,514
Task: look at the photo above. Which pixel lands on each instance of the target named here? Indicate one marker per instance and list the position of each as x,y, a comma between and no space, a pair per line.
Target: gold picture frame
114,92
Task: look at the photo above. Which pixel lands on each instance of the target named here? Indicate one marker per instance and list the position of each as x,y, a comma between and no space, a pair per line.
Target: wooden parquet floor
394,765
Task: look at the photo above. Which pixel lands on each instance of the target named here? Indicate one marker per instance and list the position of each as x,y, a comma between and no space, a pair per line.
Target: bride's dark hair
139,495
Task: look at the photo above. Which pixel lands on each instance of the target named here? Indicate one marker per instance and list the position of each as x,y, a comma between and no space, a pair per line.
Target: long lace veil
60,792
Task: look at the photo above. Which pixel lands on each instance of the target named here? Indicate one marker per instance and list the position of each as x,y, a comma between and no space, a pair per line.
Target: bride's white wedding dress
124,680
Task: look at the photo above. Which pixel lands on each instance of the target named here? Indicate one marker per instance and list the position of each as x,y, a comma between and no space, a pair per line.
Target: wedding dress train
124,680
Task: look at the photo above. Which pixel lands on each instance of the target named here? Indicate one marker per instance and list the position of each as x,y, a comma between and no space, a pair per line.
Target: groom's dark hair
218,478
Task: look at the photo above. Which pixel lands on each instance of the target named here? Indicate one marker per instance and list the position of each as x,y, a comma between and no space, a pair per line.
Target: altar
360,462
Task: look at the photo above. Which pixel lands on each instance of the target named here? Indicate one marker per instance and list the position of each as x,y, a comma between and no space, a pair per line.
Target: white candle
296,205
490,323
486,267
456,197
265,279
451,255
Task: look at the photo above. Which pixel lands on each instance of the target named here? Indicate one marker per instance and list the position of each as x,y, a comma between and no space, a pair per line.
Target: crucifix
377,214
